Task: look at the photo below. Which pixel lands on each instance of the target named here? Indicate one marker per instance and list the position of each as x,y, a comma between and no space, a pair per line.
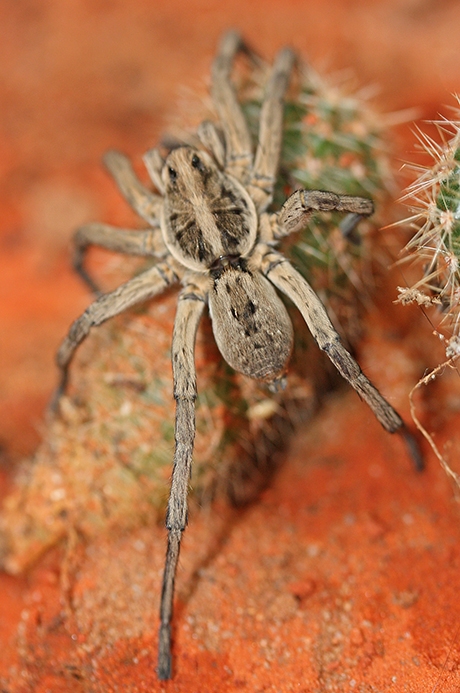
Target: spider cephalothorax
207,214
210,231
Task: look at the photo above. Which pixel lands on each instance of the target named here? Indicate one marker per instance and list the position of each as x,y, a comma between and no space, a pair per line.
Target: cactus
333,140
106,462
434,249
434,199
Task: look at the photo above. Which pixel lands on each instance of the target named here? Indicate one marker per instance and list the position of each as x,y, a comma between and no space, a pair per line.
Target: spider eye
197,163
172,174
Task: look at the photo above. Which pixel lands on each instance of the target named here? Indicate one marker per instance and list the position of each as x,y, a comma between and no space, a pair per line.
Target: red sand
344,576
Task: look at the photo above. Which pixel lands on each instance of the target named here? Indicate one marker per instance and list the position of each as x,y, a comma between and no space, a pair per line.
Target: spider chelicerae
210,231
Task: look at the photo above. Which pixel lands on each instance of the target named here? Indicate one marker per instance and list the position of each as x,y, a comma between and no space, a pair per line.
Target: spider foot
54,407
348,228
87,279
55,402
413,448
164,669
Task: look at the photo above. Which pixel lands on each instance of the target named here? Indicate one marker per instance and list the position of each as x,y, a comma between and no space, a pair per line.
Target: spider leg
236,133
144,202
348,227
189,311
146,285
209,136
154,163
281,273
146,242
270,131
302,204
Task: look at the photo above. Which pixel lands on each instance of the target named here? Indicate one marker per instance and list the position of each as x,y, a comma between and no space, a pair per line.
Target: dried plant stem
432,375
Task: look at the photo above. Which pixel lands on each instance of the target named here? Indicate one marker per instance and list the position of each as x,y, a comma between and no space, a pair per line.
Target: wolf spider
211,232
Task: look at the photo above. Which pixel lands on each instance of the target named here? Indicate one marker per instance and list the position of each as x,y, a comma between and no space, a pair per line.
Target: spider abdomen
250,323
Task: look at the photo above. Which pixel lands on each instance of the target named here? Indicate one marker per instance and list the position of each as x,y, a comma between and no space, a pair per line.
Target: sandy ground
344,575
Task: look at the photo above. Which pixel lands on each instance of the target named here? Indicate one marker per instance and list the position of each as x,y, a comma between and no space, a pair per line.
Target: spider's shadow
229,518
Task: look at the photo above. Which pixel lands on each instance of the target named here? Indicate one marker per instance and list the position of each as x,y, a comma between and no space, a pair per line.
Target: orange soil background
344,576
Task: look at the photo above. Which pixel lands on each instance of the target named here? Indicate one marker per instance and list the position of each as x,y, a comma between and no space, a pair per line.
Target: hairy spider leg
189,311
148,242
129,241
141,288
238,144
141,199
299,207
290,282
266,161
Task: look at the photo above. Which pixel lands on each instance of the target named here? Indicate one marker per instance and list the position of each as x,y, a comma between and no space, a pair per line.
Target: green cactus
434,200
